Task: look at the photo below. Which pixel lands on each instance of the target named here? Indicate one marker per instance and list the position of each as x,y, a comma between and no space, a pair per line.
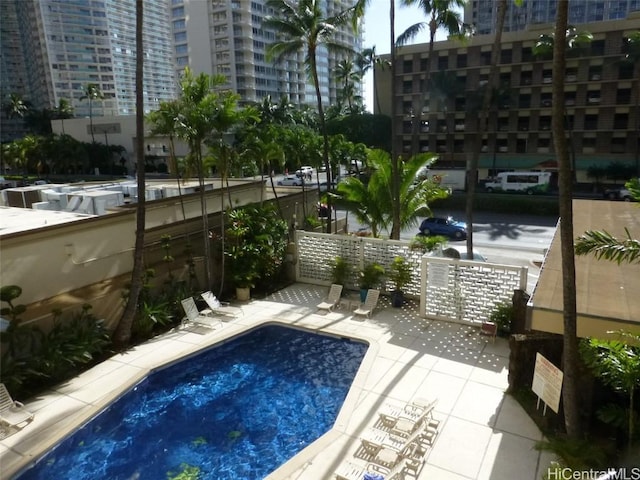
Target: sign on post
547,383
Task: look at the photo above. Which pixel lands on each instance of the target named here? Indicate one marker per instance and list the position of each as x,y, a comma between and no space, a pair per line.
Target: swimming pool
236,411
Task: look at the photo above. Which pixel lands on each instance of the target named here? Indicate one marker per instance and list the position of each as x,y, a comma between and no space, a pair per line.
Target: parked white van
528,182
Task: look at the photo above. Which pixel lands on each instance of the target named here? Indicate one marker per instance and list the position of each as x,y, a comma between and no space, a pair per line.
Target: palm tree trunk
395,156
323,128
122,334
570,394
472,174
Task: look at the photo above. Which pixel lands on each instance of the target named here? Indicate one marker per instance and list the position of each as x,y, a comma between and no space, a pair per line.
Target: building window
424,146
588,144
523,124
407,86
618,145
595,72
521,145
625,71
443,63
406,126
597,47
545,99
485,58
623,96
524,101
621,121
506,56
526,78
424,64
544,123
407,66
461,61
503,124
591,122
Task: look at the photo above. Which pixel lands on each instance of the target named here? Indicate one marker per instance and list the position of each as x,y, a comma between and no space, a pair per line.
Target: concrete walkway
483,433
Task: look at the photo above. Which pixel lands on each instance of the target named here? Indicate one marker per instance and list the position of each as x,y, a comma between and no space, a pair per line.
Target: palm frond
606,246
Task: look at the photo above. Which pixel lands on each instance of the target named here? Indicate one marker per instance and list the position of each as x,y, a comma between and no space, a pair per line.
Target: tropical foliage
371,203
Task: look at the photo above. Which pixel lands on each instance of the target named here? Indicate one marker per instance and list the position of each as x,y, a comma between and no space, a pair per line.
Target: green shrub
502,315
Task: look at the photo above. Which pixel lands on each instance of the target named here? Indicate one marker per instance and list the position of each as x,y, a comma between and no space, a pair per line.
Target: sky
377,31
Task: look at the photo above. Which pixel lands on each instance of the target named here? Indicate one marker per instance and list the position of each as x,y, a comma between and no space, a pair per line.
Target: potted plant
400,275
340,270
370,277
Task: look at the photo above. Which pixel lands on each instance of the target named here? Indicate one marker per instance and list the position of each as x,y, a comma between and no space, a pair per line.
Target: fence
455,290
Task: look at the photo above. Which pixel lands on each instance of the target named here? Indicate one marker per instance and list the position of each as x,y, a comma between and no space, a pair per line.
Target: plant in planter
400,275
370,277
502,315
340,271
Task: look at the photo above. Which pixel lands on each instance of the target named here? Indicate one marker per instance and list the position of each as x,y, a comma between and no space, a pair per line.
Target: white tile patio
484,433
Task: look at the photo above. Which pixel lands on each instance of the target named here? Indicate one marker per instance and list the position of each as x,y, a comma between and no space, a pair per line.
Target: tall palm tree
441,14
348,76
368,59
305,28
122,334
570,355
15,106
92,93
62,111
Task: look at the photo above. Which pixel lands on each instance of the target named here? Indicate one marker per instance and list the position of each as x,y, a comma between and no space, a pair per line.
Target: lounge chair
12,412
196,317
333,299
353,471
217,307
369,305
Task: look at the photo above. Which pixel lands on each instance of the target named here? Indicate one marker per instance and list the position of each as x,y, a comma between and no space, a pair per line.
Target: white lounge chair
333,299
369,305
218,307
196,317
12,412
353,471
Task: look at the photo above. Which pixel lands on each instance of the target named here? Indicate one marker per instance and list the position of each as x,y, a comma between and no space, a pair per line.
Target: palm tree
92,93
570,356
164,122
348,76
304,27
472,173
441,14
371,202
62,111
368,59
122,334
15,106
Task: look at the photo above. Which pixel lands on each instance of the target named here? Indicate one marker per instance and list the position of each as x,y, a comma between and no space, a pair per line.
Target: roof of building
604,288
15,219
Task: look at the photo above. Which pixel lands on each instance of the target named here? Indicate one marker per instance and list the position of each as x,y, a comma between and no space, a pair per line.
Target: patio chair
369,305
390,413
352,471
333,299
218,307
194,316
12,412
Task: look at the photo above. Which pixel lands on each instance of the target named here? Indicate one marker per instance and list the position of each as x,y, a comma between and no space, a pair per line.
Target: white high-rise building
64,45
228,37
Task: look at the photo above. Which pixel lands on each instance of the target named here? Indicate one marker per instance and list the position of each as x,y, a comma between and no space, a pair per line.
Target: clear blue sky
377,31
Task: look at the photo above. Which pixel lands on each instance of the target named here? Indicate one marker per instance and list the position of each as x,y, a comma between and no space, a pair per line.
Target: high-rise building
229,38
482,13
601,103
53,49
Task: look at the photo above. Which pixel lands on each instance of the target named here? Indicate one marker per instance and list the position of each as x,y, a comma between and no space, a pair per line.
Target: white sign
438,275
547,382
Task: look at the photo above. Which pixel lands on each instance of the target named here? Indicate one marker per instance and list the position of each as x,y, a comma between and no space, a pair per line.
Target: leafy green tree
371,202
304,28
347,75
92,93
617,363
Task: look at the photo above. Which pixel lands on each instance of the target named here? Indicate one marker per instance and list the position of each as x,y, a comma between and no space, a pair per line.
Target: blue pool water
236,411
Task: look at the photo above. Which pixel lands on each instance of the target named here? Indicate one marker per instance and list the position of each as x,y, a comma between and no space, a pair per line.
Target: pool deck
483,433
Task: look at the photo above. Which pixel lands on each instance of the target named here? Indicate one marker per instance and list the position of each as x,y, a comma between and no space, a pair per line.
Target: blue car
447,227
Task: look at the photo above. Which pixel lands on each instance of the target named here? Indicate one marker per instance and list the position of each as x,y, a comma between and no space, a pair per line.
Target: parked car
291,181
304,171
619,193
448,227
